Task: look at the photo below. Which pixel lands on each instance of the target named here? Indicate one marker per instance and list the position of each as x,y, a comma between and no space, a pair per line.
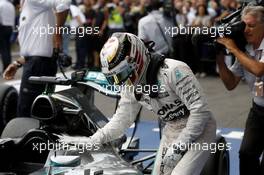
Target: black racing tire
8,104
17,127
217,163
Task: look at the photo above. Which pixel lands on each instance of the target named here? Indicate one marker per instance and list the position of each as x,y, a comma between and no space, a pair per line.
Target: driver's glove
79,143
173,155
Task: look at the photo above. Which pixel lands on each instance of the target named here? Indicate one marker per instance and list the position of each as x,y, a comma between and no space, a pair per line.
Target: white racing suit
181,104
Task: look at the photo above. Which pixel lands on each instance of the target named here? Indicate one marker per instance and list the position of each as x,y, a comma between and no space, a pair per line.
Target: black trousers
85,46
81,51
253,143
34,66
5,51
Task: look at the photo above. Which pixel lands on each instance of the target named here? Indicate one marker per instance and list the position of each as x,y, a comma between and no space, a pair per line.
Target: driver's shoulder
171,65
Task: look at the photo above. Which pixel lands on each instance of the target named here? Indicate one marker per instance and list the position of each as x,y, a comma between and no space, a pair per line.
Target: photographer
250,66
36,47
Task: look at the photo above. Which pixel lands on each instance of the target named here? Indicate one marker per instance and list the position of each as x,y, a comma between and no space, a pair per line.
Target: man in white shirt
78,18
152,28
77,24
39,35
250,66
7,22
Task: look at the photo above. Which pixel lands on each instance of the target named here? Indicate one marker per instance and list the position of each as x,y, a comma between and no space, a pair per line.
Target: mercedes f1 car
27,144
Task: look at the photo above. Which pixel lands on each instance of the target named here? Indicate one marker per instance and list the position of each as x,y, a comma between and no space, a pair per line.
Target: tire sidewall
8,104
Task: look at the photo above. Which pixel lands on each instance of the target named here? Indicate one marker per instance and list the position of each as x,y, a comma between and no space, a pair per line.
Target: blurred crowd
104,17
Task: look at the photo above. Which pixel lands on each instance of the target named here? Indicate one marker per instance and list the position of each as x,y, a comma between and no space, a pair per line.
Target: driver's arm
123,118
188,89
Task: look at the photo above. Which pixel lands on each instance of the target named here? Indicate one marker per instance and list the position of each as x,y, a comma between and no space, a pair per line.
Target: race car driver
172,92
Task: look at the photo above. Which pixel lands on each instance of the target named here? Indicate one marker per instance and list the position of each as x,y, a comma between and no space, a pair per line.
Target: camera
63,59
231,26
